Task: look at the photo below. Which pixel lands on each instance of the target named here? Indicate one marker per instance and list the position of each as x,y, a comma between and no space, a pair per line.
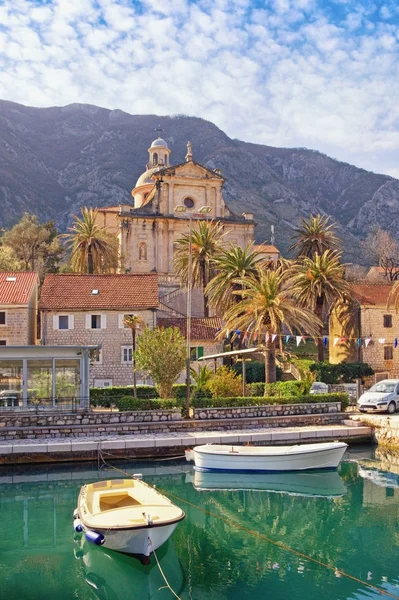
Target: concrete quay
155,445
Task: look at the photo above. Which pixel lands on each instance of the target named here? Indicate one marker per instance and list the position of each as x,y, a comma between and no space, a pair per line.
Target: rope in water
262,536
163,575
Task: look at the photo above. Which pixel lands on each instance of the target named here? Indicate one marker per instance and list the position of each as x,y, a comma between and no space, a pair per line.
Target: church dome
159,142
146,177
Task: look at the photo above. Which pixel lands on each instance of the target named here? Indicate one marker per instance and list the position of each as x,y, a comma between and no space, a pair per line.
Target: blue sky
320,74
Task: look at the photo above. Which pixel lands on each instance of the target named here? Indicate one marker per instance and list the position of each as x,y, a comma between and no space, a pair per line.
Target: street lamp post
181,208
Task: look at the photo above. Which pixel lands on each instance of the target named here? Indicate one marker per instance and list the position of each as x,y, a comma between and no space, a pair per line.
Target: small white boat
126,515
322,484
219,457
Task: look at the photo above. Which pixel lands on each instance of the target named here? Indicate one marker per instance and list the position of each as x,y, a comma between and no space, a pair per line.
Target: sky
321,74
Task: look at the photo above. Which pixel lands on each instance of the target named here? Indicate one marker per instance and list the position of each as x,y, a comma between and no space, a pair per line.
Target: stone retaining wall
269,410
385,429
150,427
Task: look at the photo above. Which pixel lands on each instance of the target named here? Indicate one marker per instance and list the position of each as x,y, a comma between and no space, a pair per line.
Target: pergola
243,353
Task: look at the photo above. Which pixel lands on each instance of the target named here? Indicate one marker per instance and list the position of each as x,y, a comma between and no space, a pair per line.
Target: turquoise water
227,548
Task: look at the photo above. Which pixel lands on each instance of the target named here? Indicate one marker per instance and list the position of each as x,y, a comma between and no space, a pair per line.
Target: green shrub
265,400
225,382
340,373
280,388
106,397
255,371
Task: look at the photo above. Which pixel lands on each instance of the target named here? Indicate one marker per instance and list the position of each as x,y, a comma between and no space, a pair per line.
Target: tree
314,236
233,264
134,322
206,242
266,305
382,249
318,283
35,245
225,383
9,260
93,248
161,352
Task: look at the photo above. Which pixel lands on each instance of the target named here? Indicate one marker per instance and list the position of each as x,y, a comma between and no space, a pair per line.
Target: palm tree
134,322
315,236
267,305
93,248
233,264
206,242
318,283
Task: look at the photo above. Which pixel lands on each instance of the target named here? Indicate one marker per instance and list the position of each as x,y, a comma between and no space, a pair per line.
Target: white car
318,387
381,397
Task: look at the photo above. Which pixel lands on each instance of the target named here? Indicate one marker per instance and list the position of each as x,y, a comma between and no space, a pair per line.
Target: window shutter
88,321
103,321
200,351
55,322
71,322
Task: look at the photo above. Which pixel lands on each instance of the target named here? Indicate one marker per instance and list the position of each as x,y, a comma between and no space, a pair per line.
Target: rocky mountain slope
55,160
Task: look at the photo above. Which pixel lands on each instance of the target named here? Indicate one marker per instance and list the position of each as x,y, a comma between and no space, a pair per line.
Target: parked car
381,397
9,398
318,387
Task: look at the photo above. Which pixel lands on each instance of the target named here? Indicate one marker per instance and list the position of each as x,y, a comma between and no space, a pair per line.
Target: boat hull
268,460
137,541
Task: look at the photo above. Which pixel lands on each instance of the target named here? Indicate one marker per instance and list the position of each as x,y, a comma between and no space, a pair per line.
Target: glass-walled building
47,376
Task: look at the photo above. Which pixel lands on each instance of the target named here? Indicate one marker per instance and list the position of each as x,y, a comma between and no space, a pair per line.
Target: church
168,200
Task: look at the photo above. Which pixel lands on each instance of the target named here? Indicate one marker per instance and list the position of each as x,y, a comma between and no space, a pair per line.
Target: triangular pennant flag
266,336
298,339
367,341
255,336
325,341
238,332
381,340
336,340
395,343
287,338
342,340
274,335
359,342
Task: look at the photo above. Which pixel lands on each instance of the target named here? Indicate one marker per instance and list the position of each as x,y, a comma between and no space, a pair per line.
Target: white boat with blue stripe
266,459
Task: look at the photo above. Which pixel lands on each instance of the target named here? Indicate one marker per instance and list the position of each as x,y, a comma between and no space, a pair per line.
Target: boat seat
121,499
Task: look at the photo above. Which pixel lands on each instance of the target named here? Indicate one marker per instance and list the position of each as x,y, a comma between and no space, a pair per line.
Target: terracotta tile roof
376,294
74,292
201,329
267,248
16,287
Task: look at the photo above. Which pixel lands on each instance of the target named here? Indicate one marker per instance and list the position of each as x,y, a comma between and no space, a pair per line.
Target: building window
63,322
188,202
166,159
95,321
387,320
127,354
155,158
388,353
3,342
196,352
3,317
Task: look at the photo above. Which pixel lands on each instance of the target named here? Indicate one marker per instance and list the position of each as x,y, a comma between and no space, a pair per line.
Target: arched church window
188,202
142,251
155,158
166,159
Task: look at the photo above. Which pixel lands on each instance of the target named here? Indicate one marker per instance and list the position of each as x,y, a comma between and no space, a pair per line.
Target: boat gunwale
134,527
263,456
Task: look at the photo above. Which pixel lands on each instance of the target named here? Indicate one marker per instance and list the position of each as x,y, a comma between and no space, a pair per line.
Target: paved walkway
151,442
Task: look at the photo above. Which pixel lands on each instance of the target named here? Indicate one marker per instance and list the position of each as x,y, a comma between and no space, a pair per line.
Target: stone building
18,308
167,200
89,310
371,335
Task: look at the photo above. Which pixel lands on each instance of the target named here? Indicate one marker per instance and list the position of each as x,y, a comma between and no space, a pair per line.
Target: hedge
263,400
107,396
129,403
280,388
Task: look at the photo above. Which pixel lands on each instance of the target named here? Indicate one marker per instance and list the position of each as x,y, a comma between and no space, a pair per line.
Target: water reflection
114,576
319,483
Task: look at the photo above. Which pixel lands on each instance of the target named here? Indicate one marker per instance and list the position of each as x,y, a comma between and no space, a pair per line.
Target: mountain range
55,160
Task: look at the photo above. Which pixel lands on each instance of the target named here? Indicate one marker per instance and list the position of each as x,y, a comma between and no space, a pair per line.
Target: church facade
168,200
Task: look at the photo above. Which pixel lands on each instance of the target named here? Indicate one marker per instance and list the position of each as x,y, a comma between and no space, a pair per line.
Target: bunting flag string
365,341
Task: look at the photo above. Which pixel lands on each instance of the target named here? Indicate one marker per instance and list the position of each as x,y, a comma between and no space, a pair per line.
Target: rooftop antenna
158,129
272,237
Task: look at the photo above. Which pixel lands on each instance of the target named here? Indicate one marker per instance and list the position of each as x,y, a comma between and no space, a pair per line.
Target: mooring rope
163,574
262,536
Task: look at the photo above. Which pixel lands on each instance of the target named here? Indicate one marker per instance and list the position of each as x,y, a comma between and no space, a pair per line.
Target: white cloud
287,74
